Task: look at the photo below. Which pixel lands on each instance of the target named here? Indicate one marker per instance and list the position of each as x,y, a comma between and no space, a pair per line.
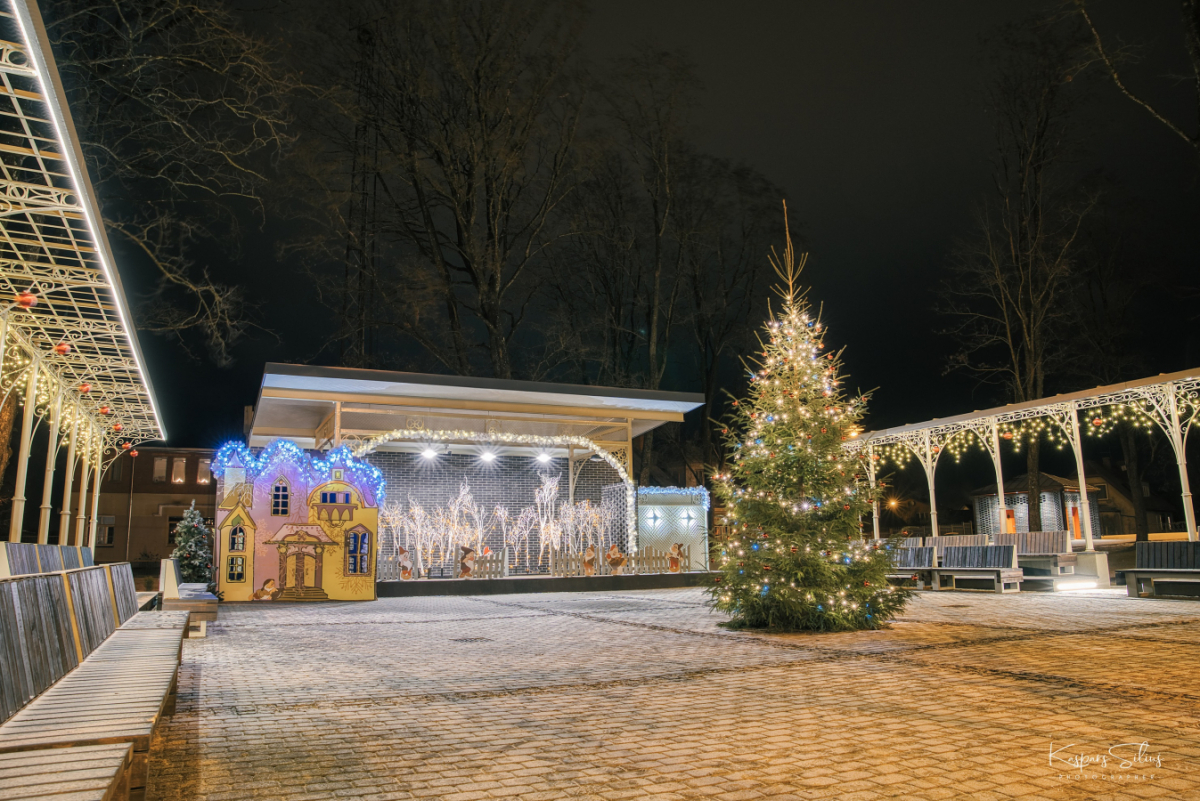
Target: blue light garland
695,492
315,469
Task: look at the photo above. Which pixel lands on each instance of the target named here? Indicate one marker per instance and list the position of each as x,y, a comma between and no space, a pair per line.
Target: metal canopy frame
74,351
1171,401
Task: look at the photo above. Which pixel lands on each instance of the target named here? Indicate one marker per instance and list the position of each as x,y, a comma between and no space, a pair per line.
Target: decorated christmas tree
193,548
794,495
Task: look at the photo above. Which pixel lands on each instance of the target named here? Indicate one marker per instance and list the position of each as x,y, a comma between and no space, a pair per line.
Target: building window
237,539
114,470
279,498
204,471
335,497
160,468
104,536
237,569
172,522
179,470
358,553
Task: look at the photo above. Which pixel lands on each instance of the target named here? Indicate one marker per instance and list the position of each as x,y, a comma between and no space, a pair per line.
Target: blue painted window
237,539
279,499
335,497
358,553
237,568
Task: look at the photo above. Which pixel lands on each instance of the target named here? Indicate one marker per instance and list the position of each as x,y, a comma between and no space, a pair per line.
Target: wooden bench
80,666
1042,555
180,597
86,773
913,564
975,567
1164,568
27,558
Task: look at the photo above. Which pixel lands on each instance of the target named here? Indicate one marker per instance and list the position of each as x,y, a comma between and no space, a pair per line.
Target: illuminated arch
504,438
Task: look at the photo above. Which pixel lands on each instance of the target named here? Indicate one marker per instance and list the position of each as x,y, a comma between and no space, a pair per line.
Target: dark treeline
466,193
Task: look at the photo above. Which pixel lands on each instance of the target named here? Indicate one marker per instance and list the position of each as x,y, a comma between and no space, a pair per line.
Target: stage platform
529,584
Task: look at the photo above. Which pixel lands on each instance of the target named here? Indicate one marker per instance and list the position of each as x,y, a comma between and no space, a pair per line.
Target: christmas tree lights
794,494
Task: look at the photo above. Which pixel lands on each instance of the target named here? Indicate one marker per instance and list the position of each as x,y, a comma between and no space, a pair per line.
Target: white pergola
71,357
1171,401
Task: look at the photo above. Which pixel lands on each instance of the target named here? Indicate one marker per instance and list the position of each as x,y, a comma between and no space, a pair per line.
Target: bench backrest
50,622
1168,555
27,558
1037,542
901,542
958,540
913,558
987,556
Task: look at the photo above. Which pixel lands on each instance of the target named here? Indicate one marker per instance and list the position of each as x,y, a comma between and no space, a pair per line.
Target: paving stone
642,694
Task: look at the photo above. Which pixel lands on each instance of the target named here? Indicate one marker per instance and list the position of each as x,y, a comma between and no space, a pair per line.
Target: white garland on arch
504,438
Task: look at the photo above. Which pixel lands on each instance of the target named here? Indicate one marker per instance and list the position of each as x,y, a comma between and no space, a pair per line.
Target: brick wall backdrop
508,481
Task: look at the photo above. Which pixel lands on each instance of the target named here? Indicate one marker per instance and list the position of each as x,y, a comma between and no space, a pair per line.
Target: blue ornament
820,608
764,590
754,547
770,418
741,572
758,442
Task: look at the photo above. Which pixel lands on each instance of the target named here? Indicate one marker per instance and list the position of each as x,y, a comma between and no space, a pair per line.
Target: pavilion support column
85,464
64,515
18,501
1003,508
337,423
96,471
48,480
874,497
1179,443
1085,509
930,463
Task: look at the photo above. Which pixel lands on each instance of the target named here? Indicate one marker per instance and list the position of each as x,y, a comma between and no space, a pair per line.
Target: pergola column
64,516
85,464
1071,416
874,497
48,480
18,501
929,462
1179,443
995,449
96,474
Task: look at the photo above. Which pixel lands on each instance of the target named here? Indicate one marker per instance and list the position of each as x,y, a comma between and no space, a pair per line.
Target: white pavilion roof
53,244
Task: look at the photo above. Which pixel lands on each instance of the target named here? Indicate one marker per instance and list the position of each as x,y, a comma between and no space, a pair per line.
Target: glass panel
204,471
178,470
160,468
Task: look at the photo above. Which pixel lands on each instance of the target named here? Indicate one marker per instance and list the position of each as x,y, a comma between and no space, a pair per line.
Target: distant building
142,498
1116,506
1060,508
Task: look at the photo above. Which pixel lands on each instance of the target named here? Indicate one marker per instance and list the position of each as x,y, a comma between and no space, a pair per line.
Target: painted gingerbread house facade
295,527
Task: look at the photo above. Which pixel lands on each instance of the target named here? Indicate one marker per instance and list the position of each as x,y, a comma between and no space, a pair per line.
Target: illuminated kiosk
486,462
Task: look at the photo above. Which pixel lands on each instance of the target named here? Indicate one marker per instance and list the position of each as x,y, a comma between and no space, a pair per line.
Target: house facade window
237,539
335,497
358,553
160,469
104,536
279,498
237,569
179,470
204,471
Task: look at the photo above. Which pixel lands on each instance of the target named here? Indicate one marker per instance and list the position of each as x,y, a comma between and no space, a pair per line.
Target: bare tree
1008,292
179,112
1112,58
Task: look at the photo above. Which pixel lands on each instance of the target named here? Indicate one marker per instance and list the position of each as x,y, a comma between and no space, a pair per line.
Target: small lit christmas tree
193,548
793,494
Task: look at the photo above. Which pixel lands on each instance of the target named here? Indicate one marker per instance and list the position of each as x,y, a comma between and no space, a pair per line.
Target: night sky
871,116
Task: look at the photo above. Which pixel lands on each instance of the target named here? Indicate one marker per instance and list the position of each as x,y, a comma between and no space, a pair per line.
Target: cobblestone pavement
640,694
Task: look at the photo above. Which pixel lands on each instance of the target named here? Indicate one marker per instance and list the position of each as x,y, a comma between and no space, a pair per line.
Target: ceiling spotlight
487,456
543,457
429,453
